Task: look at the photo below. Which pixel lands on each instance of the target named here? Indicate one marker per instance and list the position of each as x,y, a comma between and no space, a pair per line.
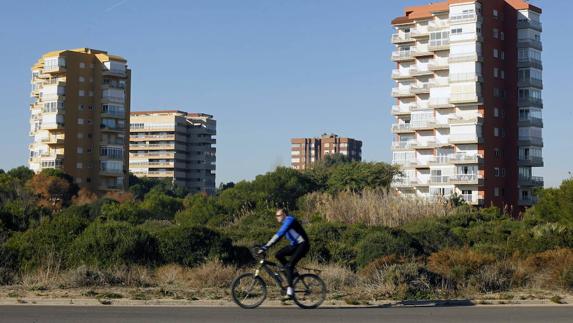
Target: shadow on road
430,303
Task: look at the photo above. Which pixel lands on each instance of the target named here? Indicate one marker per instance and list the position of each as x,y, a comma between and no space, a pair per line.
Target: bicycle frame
266,266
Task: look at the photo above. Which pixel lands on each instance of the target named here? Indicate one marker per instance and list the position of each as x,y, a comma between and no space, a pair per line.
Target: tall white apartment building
174,145
468,83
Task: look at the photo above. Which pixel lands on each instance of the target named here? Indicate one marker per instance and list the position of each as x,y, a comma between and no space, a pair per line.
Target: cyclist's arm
282,231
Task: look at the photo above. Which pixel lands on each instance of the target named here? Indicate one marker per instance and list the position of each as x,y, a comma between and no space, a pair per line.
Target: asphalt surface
31,313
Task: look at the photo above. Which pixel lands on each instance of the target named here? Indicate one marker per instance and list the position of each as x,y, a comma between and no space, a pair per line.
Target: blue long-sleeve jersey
293,231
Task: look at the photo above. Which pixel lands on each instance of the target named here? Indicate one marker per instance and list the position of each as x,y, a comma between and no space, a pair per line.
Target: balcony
401,38
530,83
53,69
530,63
530,43
429,144
439,64
531,181
466,179
416,71
401,109
460,58
530,121
464,98
401,56
462,120
531,161
152,137
465,139
401,74
402,128
439,82
403,144
464,18
402,93
527,200
420,88
456,159
439,180
440,103
471,199
465,37
111,172
53,126
420,32
439,45
530,141
529,24
420,51
152,146
466,77
437,25
404,182
53,140
114,72
529,102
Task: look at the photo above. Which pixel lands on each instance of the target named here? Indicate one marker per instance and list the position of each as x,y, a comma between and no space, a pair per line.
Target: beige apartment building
79,112
468,101
174,145
307,151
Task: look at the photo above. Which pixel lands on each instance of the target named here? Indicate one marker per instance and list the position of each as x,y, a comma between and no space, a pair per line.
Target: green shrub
50,238
129,212
160,205
191,246
106,244
384,242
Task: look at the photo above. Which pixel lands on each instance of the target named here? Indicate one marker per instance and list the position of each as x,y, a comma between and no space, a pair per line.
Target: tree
53,188
357,176
22,173
160,205
556,204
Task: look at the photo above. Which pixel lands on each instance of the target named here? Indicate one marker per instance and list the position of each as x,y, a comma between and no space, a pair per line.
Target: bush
191,246
550,269
129,212
160,205
51,238
384,242
459,266
114,243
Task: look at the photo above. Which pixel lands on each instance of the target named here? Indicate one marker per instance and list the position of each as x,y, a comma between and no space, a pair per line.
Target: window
502,55
495,13
457,31
502,35
82,65
79,165
81,107
495,33
496,112
496,192
80,135
502,74
502,172
496,72
82,79
498,152
80,121
80,150
496,132
82,93
495,53
91,93
496,172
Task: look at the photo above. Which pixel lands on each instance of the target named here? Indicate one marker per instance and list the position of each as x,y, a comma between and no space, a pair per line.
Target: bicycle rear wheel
248,291
309,291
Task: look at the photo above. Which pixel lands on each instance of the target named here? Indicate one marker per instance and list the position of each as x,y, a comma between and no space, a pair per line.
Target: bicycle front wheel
309,291
248,291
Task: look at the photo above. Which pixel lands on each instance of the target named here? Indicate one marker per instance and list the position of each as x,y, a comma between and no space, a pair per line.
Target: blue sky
268,70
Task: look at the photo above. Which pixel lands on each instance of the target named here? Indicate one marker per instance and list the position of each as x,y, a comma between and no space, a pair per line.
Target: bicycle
249,290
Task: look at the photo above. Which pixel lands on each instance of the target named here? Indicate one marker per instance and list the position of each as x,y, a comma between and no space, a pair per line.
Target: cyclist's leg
300,251
283,253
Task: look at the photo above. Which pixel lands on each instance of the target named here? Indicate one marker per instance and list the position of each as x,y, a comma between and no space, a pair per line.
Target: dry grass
550,269
373,208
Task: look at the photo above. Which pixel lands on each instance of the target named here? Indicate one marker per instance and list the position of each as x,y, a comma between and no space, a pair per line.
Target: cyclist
297,249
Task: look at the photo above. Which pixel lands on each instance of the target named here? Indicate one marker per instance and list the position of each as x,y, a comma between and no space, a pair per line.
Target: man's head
280,215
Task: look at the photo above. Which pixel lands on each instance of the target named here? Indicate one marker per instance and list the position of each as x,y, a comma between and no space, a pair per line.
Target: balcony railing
401,109
439,82
530,83
420,88
466,77
420,32
530,121
522,24
530,102
402,92
403,55
464,139
530,141
459,58
439,63
402,127
465,179
464,18
403,144
402,38
438,25
531,160
401,74
531,181
461,98
530,62
439,44
440,103
533,43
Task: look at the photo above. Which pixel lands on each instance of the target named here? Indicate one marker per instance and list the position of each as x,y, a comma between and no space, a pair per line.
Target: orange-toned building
468,109
307,151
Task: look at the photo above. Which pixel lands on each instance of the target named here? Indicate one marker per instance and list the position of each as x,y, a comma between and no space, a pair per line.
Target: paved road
63,314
